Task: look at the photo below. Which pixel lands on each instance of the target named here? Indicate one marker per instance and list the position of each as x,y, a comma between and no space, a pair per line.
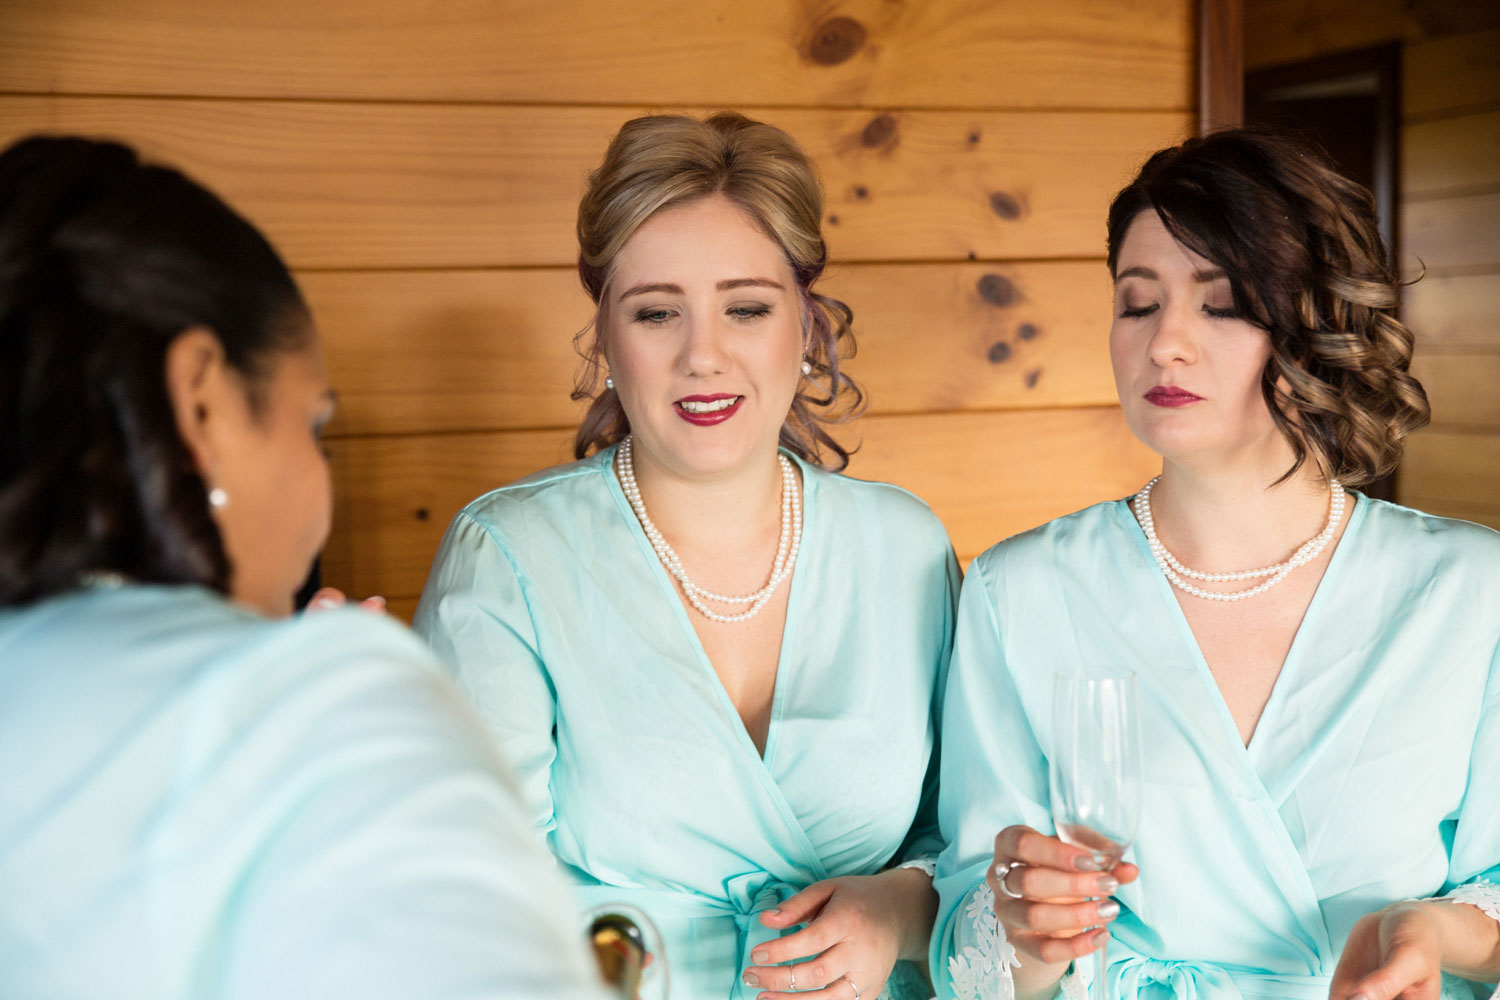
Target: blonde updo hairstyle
662,161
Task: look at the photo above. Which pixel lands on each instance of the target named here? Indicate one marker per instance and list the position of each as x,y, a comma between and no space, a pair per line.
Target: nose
1172,340
703,348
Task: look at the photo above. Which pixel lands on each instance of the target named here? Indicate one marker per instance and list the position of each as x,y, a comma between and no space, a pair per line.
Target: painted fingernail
751,979
1086,863
1107,884
760,957
1108,910
774,911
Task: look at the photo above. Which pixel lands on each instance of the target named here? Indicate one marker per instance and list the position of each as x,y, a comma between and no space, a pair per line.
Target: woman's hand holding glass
1051,897
858,927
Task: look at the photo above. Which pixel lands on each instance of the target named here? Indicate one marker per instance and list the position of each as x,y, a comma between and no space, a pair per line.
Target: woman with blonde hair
1318,672
713,659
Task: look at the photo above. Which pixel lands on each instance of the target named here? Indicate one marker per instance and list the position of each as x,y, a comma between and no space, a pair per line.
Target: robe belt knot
1168,979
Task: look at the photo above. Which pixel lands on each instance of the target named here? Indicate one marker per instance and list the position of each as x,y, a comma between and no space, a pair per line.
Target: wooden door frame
1221,64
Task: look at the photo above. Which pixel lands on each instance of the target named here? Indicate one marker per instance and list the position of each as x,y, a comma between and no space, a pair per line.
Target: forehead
709,239
1148,244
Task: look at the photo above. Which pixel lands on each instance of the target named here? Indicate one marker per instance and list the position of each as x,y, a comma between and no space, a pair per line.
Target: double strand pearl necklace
786,546
1179,574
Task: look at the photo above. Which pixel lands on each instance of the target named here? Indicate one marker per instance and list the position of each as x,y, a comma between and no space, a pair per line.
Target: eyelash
1139,311
656,317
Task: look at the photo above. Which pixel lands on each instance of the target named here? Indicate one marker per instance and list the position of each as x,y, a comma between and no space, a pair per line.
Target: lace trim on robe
981,971
926,862
1481,893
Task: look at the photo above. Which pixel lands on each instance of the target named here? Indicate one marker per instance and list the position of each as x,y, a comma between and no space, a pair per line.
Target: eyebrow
1202,277
723,286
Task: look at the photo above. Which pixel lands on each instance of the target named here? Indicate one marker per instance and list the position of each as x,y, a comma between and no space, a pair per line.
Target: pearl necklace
1178,573
786,547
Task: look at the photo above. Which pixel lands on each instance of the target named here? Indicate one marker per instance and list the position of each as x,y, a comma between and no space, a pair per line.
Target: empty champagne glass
1095,772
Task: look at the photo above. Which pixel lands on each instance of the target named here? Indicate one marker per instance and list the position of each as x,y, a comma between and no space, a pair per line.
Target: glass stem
1099,988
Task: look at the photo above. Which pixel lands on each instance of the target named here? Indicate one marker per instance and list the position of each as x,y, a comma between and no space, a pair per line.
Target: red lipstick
705,411
1170,395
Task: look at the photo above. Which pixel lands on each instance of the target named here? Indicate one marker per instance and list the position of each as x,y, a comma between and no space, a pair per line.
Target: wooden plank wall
420,166
1449,218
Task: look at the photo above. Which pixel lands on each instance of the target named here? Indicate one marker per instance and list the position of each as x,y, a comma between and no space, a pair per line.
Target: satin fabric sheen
550,607
198,802
1373,774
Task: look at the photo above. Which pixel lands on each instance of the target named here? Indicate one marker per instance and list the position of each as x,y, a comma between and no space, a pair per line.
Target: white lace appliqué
981,971
1481,893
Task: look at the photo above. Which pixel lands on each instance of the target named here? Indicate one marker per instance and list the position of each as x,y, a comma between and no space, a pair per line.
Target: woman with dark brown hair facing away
1318,672
204,797
713,660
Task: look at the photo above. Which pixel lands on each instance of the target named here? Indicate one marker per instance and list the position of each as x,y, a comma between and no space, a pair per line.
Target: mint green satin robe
196,802
552,610
1373,774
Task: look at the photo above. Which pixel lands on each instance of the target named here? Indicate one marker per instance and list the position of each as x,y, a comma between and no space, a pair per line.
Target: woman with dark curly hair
715,661
202,796
1318,672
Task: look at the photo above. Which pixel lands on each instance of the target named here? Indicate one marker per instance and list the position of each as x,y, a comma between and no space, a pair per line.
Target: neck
1231,518
723,511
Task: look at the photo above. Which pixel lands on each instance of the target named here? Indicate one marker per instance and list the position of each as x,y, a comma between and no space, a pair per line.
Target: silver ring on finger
1003,870
851,985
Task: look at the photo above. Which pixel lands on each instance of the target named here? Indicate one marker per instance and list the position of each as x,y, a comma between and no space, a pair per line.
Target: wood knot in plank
1005,205
1027,331
834,41
422,514
1032,377
860,192
880,133
999,352
997,290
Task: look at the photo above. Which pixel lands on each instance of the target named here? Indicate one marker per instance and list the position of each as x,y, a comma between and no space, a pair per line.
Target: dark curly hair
1302,251
659,161
104,261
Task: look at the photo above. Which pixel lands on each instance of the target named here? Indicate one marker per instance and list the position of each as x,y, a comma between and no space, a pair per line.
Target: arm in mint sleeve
994,776
397,861
925,841
1474,860
475,616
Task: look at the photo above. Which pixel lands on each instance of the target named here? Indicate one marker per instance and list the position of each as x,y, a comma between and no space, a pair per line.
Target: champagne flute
628,948
1095,772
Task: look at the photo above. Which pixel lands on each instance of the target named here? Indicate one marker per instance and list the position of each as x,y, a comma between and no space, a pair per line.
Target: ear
197,381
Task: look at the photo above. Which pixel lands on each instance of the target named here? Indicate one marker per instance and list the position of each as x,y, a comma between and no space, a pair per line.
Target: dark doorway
1348,104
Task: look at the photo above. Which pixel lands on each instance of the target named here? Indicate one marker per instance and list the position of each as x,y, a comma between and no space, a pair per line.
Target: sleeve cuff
1481,893
981,966
927,862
